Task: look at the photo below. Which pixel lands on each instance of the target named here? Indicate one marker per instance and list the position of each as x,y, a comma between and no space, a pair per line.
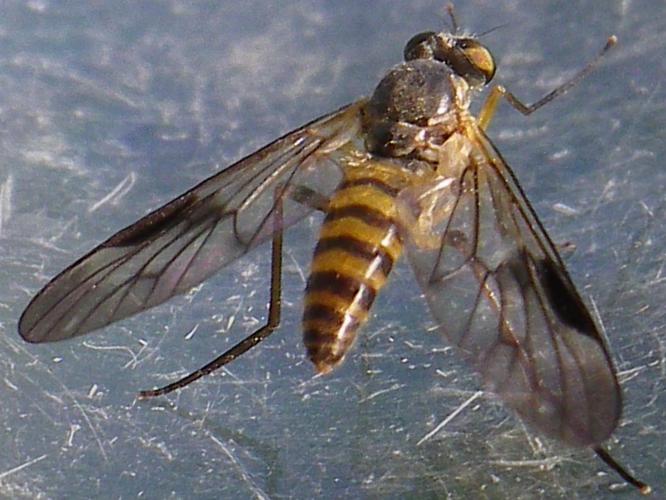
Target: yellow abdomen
357,247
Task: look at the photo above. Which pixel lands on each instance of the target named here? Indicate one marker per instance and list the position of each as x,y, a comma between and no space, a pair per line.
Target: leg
488,109
248,342
645,489
303,195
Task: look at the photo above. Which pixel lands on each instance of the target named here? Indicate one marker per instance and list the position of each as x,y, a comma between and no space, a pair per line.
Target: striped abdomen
357,247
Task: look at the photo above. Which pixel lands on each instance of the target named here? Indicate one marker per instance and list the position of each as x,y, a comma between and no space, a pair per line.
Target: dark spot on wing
153,224
564,299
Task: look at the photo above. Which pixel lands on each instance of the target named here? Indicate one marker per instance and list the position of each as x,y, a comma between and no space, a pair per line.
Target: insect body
358,245
408,169
407,124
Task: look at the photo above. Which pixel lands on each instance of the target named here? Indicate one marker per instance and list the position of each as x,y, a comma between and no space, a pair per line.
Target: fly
407,170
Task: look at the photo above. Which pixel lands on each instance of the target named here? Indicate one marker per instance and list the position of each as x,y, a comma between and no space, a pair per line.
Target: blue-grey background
109,109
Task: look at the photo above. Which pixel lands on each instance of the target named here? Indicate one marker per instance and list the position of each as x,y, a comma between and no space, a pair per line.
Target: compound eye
479,58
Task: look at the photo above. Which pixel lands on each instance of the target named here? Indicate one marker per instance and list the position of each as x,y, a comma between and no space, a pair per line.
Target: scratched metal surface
109,110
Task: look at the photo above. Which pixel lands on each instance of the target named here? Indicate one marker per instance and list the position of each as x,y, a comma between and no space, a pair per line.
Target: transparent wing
499,291
184,242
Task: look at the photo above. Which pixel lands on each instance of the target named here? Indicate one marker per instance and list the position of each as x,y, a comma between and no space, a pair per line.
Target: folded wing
499,291
179,245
